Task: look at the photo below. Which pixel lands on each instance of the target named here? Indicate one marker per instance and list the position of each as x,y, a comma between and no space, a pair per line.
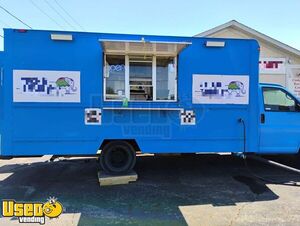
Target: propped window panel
142,47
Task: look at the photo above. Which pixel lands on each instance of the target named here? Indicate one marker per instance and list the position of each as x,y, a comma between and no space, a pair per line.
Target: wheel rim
118,158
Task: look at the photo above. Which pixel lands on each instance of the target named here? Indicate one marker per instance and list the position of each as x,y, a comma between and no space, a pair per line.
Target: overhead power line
46,14
59,14
4,23
69,15
21,21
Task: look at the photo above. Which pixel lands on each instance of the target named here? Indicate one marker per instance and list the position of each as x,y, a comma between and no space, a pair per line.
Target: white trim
127,87
176,79
126,47
119,40
242,27
154,47
175,43
104,77
154,78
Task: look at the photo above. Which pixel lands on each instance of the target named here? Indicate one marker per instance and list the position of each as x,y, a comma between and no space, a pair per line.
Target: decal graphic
187,117
46,86
116,67
220,89
92,116
66,83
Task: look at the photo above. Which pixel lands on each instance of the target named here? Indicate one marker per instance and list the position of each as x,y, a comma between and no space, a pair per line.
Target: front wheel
117,157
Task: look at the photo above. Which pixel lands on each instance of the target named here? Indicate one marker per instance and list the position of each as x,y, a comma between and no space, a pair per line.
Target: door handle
262,118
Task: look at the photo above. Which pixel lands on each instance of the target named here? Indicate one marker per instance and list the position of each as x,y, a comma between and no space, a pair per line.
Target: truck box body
70,116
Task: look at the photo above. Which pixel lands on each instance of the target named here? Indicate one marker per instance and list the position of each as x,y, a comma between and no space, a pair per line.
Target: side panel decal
220,89
46,86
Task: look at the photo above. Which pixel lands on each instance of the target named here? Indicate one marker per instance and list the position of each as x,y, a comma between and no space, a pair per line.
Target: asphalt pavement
170,190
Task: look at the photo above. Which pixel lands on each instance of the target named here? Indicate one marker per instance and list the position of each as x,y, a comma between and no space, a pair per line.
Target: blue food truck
114,95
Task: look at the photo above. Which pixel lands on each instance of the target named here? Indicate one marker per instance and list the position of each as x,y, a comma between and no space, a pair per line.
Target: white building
279,63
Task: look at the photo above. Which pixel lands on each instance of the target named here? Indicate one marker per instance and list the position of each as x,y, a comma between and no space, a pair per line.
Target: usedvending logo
32,212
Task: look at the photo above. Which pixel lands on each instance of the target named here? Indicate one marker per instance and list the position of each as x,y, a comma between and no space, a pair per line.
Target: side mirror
288,97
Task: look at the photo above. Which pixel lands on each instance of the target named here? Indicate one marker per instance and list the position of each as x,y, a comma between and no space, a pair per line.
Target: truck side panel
59,128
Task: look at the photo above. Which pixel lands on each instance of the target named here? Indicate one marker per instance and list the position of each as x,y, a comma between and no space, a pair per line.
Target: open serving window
140,71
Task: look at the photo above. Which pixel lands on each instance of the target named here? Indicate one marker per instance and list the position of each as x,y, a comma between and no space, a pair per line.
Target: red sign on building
272,66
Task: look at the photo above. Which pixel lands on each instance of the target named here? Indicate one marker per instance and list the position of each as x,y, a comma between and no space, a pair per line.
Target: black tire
117,157
188,154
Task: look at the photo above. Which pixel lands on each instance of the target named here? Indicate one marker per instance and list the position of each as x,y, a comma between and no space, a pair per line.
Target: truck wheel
117,157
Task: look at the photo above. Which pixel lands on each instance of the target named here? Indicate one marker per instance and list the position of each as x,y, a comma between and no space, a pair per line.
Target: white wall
267,50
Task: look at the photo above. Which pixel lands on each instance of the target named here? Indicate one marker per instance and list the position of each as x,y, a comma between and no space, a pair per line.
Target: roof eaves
234,23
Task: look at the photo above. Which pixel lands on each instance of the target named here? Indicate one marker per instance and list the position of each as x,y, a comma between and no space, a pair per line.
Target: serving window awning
142,47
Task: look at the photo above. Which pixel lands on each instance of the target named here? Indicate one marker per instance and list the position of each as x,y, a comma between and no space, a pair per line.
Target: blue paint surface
59,128
281,131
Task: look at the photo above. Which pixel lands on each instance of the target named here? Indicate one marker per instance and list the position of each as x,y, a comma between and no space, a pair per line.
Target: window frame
284,91
127,79
104,77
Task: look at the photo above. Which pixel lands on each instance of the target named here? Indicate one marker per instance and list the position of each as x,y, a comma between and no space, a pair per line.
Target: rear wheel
117,157
188,154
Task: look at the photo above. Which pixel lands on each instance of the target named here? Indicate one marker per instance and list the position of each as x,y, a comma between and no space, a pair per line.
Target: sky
278,19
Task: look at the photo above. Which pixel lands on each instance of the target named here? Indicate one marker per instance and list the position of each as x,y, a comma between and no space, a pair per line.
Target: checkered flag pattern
92,116
188,117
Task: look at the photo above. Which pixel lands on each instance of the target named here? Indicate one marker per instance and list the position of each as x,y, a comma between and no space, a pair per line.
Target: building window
165,78
114,77
140,78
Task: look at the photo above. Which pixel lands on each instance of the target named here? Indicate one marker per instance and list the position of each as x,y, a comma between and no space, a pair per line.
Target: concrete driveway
171,190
